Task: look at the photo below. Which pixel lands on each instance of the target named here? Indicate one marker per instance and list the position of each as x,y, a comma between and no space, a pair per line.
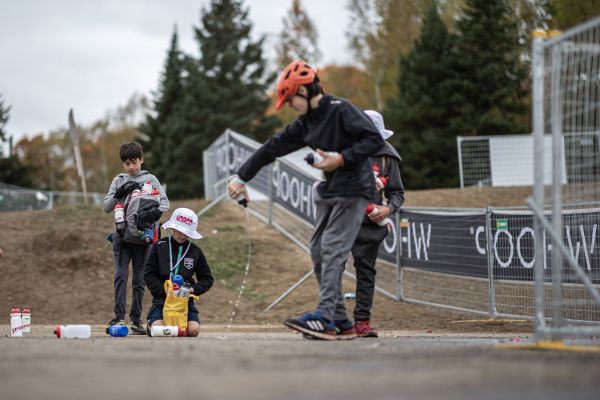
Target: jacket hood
388,150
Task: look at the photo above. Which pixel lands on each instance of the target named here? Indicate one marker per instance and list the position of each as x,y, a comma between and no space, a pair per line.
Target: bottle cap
175,286
370,208
26,310
119,205
57,331
155,192
15,309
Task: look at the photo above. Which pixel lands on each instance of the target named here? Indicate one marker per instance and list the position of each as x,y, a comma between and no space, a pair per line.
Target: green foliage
490,87
298,38
198,99
569,13
423,115
154,130
14,172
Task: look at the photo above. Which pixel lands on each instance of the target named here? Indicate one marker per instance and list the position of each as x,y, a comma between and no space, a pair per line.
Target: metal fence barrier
474,260
15,198
566,111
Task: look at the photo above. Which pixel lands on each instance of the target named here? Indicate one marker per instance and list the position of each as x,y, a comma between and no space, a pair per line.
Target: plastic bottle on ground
164,331
16,324
118,330
73,331
26,320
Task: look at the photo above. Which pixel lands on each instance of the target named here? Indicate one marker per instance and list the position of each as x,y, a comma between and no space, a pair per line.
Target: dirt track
249,363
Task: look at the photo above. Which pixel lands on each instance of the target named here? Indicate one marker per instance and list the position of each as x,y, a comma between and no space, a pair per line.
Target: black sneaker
137,328
114,321
313,324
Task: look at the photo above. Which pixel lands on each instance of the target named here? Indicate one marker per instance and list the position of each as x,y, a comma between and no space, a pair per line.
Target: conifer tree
422,113
491,79
4,115
225,88
156,143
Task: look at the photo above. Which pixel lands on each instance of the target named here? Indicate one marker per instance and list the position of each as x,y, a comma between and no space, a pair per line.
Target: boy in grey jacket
132,157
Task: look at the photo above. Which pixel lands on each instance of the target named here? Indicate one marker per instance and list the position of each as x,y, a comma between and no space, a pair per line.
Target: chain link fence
16,198
566,112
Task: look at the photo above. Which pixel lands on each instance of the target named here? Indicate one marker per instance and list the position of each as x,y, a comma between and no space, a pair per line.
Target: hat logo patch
185,220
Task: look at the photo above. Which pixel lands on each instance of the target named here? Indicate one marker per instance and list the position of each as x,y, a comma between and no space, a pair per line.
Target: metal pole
538,192
290,290
270,194
557,222
460,164
490,262
398,259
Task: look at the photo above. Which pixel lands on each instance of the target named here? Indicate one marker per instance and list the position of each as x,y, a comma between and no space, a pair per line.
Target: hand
146,218
382,213
127,188
330,162
235,188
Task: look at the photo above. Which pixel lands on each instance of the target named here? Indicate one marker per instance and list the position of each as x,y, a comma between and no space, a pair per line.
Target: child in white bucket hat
177,255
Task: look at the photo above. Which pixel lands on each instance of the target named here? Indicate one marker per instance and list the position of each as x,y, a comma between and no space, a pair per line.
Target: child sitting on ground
177,255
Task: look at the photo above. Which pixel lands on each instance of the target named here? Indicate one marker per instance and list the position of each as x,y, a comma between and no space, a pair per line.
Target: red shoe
363,329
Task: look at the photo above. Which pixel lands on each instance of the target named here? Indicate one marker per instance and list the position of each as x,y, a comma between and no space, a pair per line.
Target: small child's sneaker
364,329
313,324
114,321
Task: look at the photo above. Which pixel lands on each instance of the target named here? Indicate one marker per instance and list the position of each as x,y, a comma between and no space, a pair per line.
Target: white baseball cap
185,221
378,122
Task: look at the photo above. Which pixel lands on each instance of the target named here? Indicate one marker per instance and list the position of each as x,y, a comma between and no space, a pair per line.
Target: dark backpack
138,203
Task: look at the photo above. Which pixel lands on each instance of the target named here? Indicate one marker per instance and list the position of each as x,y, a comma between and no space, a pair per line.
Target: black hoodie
335,125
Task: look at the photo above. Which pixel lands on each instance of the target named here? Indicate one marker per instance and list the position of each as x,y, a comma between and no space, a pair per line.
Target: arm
203,275
152,276
284,142
394,191
369,140
110,202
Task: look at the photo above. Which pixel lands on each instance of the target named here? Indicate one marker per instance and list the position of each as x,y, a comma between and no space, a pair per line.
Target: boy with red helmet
346,138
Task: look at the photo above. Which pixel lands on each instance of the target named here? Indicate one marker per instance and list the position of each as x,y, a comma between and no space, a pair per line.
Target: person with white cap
177,255
389,197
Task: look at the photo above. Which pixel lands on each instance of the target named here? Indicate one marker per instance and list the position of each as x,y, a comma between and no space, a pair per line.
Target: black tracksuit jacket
157,269
335,125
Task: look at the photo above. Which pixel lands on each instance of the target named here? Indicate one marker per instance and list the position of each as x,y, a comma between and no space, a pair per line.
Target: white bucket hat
378,122
185,221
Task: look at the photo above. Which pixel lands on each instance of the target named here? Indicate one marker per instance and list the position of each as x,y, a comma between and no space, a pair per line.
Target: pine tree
298,38
491,79
225,88
422,113
155,141
4,116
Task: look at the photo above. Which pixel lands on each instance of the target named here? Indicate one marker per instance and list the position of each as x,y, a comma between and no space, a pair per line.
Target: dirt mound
59,263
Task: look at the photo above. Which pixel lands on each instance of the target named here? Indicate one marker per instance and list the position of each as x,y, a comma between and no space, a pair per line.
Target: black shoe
137,328
114,321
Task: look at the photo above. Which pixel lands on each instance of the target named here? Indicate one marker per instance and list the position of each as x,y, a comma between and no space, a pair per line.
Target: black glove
127,188
147,218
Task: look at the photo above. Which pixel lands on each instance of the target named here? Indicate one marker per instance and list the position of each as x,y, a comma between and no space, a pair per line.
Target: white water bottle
26,320
147,188
314,157
73,331
119,217
164,331
371,208
16,324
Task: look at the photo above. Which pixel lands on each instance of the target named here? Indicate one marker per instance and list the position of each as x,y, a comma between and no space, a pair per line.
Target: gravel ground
258,362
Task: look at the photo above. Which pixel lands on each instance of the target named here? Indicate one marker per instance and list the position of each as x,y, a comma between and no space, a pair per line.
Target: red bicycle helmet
293,76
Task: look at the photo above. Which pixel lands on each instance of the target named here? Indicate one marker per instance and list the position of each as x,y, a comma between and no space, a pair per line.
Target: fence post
399,294
460,164
490,262
270,194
